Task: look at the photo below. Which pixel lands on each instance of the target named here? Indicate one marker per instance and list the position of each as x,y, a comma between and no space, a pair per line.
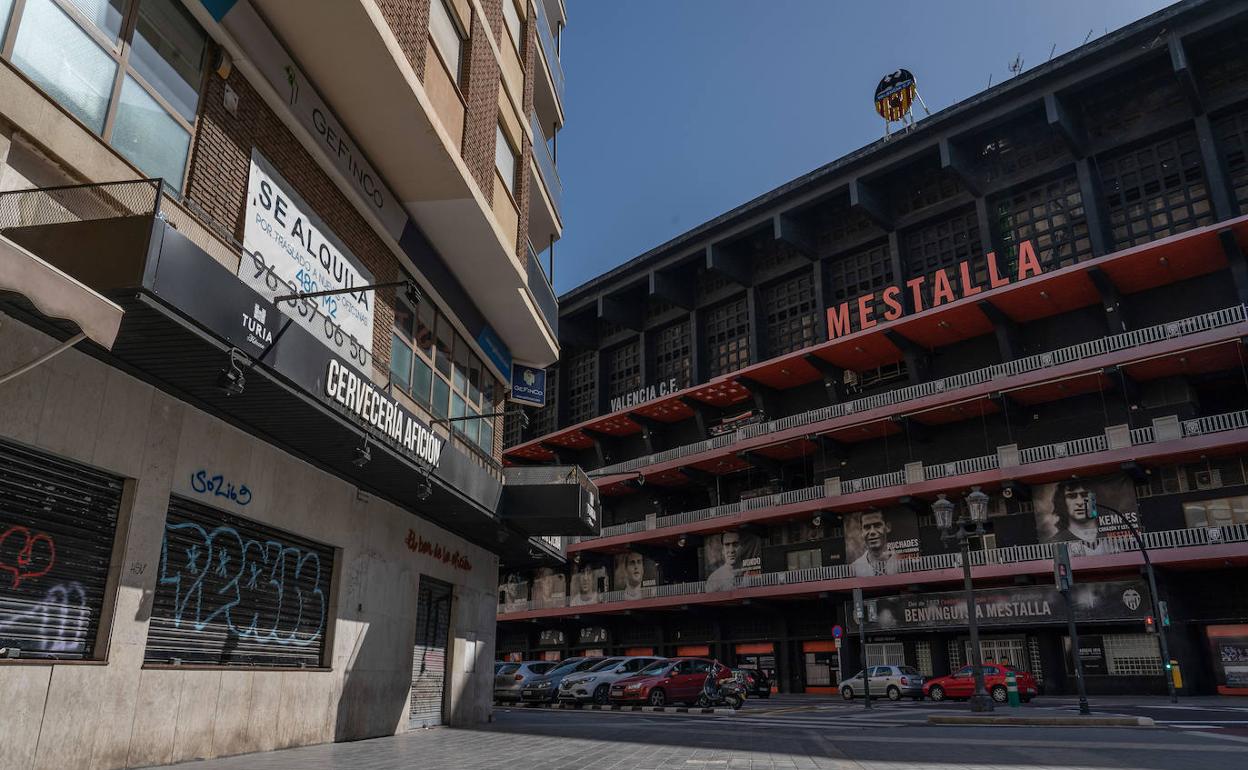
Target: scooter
729,693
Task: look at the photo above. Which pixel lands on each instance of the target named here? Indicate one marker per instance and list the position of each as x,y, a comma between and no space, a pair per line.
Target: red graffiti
26,555
417,544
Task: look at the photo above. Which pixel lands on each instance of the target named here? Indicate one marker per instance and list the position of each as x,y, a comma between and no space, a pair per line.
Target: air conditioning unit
1210,479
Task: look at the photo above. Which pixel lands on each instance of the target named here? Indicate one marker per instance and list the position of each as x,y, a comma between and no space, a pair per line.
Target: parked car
892,682
676,680
757,683
594,684
510,678
961,684
545,689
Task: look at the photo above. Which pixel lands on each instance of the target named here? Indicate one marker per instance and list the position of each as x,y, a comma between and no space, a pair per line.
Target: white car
595,684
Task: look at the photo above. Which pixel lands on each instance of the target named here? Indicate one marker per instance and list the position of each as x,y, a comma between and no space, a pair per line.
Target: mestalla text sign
292,251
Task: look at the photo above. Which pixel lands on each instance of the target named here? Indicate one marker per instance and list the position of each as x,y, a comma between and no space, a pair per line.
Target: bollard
1011,688
1176,674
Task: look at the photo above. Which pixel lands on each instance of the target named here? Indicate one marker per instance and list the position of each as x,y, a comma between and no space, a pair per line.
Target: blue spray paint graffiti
217,486
263,590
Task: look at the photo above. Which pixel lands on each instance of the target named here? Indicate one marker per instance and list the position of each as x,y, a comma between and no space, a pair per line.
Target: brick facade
481,84
409,21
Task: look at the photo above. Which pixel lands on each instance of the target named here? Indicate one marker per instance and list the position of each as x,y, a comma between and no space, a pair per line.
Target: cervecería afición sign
893,298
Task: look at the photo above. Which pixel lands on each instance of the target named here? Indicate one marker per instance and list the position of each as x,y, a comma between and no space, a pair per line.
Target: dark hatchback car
756,681
545,689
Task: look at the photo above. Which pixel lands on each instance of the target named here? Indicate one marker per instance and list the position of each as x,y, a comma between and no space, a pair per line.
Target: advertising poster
1230,658
550,587
727,556
290,250
1064,515
1091,655
634,575
513,592
877,541
588,581
1008,606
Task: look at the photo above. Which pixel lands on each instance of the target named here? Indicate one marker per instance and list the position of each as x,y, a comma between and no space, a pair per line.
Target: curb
1042,721
631,709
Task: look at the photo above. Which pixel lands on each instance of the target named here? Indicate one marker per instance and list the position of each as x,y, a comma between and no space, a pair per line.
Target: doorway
429,652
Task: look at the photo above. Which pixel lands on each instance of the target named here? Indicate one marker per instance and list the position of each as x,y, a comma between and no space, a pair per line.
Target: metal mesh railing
79,203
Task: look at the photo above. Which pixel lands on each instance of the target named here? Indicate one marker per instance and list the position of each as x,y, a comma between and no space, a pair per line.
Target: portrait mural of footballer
1064,513
877,541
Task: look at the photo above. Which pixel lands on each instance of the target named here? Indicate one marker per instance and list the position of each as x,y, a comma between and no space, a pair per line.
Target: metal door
57,523
429,653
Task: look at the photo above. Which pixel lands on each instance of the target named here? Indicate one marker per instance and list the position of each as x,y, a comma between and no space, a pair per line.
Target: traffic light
1165,614
1092,512
1169,665
1149,625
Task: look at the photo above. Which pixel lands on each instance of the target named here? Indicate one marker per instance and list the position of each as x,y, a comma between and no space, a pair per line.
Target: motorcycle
729,693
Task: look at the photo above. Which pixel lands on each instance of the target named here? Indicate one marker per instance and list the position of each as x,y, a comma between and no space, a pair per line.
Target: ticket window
822,666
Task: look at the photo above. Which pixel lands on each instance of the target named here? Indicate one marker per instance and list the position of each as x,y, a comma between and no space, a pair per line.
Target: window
623,369
790,314
1051,216
446,37
1155,190
673,357
806,559
882,654
727,334
505,159
1222,512
941,245
514,26
923,657
1131,654
74,50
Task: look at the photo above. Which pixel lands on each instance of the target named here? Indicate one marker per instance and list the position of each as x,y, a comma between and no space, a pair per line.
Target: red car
961,684
674,680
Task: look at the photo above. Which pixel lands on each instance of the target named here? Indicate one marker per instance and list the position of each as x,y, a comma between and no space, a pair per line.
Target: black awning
186,312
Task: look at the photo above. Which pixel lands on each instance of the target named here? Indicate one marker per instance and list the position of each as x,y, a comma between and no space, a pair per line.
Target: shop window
1132,654
790,314
623,364
805,559
1232,134
1222,512
942,245
447,38
76,53
505,159
886,654
673,355
726,330
235,592
57,524
1050,215
819,669
1155,190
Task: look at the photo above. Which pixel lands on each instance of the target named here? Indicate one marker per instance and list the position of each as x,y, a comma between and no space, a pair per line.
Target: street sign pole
860,615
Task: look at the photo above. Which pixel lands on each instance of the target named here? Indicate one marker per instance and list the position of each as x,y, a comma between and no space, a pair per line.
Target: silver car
595,683
892,682
510,678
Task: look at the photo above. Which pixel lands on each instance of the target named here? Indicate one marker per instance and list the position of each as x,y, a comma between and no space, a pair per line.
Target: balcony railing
1017,554
1084,350
546,164
1090,444
546,37
543,293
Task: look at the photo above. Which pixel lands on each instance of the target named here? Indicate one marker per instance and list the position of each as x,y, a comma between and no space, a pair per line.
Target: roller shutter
232,591
429,653
57,523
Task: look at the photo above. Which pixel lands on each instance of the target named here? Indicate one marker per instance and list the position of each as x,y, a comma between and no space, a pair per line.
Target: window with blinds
235,592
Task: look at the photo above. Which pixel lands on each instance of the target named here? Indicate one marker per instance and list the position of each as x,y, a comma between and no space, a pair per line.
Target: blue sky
678,110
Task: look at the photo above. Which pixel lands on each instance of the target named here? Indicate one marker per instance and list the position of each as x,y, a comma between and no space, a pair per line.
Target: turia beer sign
894,298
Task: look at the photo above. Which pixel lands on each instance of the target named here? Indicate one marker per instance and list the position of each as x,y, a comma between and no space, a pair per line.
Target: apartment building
1037,293
265,270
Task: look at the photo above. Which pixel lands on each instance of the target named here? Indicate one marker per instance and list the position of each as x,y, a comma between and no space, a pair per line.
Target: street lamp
969,525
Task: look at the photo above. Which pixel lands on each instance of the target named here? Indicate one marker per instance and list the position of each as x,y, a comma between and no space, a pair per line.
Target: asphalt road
794,732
